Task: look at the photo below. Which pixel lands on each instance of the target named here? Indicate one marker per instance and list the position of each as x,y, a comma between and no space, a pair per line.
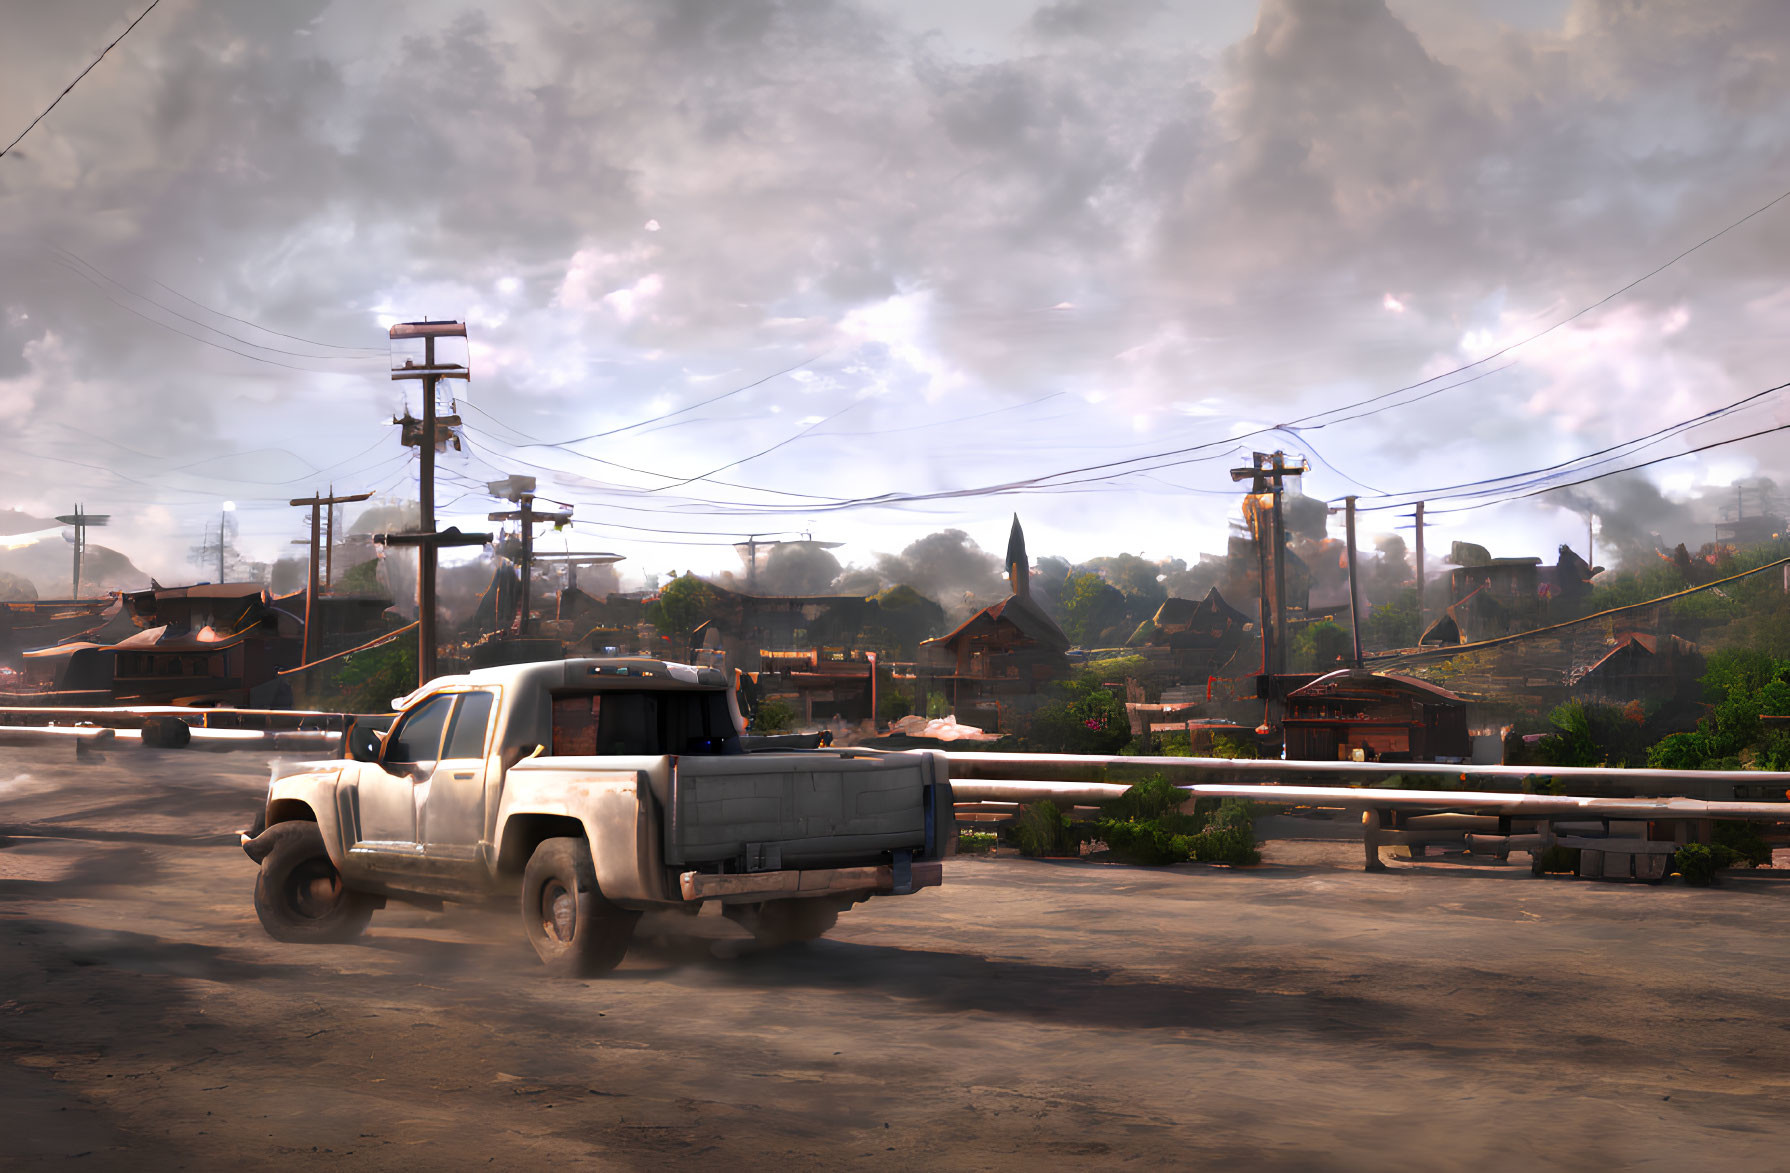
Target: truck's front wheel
299,895
576,931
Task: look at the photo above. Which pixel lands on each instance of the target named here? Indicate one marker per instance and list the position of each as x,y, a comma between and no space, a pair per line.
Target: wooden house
1381,717
1007,650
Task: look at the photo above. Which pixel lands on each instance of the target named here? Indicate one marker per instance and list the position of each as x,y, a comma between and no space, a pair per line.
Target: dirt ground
1299,1015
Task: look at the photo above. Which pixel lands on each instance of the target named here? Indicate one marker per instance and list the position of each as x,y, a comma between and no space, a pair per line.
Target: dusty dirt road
1301,1015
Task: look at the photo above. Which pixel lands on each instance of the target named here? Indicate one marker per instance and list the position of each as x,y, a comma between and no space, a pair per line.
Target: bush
1696,862
1147,826
893,706
1745,842
365,682
774,717
1043,829
1556,859
937,705
1148,799
975,842
1229,845
1149,843
1226,746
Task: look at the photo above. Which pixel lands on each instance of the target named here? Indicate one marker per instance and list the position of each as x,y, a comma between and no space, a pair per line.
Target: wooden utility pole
223,518
428,542
528,515
80,520
1267,474
1354,583
1419,518
315,503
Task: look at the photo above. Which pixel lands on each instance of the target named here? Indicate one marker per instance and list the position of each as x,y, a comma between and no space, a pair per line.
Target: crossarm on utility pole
427,545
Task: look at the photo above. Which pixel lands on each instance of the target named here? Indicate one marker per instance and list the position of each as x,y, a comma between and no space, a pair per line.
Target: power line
1602,301
809,361
71,85
206,326
194,337
371,350
1612,472
762,452
1533,477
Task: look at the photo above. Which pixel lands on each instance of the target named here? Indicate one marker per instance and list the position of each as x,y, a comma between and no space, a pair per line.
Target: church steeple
1019,567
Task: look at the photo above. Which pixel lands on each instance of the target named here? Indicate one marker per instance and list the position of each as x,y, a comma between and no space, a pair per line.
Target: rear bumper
746,887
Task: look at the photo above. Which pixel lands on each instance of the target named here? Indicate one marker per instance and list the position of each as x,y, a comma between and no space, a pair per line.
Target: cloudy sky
928,248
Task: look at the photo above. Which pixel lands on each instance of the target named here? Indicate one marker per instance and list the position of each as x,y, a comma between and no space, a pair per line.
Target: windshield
647,723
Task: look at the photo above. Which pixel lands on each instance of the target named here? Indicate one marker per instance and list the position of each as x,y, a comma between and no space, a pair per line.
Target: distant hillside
47,563
13,521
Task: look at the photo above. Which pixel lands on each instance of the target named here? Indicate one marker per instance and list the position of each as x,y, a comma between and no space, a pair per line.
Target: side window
417,738
575,724
466,738
629,725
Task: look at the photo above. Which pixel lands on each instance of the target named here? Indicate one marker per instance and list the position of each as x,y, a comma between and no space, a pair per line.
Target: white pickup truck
593,789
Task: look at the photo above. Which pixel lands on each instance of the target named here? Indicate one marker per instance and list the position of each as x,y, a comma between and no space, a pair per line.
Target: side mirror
362,743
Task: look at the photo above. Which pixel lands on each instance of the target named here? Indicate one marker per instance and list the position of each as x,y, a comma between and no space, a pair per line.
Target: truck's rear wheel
784,922
299,895
574,929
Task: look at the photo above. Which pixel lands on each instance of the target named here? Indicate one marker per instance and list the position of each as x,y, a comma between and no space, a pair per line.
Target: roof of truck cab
584,672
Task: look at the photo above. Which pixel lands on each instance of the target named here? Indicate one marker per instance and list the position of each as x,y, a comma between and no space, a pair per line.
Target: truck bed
761,812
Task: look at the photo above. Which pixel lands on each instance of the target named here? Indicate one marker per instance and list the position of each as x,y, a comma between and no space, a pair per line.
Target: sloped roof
208,590
1179,613
1360,680
1020,611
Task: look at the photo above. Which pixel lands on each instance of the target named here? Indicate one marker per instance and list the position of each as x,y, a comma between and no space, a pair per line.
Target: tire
166,733
299,895
785,922
573,928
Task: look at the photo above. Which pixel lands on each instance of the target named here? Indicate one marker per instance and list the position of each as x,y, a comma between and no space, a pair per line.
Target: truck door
451,804
388,798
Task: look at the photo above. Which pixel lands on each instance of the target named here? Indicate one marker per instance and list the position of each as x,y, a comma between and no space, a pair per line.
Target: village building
1355,715
1641,667
1002,656
214,643
1490,597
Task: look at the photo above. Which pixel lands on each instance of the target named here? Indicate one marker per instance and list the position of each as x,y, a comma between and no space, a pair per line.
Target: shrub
1556,859
1148,799
937,705
1176,745
893,706
1145,843
1745,842
774,717
1226,746
1696,863
1147,825
1231,845
365,682
975,842
1043,828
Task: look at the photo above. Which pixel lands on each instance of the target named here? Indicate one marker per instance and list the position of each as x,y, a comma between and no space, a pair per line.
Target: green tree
683,604
1091,605
905,618
1739,686
360,579
1321,647
1395,623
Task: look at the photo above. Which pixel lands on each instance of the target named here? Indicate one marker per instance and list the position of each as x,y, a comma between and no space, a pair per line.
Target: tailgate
768,811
